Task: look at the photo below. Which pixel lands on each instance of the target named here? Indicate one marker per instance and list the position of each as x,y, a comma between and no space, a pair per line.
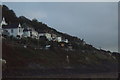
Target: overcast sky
95,22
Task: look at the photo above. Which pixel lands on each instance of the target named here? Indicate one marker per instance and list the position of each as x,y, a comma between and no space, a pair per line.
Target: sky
59,0
95,22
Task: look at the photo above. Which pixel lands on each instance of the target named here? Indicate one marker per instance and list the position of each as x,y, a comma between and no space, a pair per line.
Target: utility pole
38,43
67,59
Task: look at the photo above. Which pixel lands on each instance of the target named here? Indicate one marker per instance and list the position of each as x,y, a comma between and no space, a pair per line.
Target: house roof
26,30
10,26
41,31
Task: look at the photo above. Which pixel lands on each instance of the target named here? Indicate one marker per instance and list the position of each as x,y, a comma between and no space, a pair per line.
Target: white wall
26,34
59,39
48,36
15,31
35,34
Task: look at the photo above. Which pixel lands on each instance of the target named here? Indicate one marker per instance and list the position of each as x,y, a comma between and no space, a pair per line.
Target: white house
3,22
34,34
59,39
14,30
26,32
5,33
30,32
54,37
47,35
65,40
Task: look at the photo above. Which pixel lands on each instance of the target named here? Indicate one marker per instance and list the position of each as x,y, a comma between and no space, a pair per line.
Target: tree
35,20
42,41
9,15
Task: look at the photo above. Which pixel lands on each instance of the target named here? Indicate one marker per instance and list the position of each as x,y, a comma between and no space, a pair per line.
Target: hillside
38,26
82,56
10,17
26,61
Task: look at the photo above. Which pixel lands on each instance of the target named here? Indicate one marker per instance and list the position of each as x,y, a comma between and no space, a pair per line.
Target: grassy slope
18,57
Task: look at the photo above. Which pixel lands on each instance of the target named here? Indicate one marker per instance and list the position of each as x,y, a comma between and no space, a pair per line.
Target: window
11,30
19,29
